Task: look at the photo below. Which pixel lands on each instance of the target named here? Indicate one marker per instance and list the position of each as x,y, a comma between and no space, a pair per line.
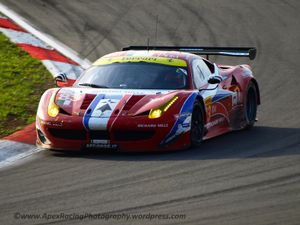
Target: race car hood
105,103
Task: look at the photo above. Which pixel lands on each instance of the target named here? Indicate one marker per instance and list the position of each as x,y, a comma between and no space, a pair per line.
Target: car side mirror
61,80
215,79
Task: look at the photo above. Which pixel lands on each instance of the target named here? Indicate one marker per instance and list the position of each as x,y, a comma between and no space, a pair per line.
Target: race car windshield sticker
147,59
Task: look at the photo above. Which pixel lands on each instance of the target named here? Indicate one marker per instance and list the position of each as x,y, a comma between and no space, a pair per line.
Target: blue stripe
220,95
90,109
186,108
189,103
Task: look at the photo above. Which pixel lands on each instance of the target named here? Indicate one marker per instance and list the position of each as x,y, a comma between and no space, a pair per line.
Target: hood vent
87,101
132,101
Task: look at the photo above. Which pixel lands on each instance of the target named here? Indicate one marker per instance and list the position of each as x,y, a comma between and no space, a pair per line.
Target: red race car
149,98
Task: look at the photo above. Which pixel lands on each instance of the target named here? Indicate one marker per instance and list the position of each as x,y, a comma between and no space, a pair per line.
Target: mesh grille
68,134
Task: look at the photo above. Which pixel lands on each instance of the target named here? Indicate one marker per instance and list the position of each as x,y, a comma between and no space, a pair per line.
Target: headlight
157,112
53,109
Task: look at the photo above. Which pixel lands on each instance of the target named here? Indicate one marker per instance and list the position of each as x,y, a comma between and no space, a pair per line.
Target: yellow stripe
147,59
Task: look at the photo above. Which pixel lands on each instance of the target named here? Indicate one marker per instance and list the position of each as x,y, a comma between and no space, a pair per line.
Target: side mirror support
215,79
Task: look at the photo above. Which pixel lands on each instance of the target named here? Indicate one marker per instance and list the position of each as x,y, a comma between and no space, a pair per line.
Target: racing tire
250,108
197,124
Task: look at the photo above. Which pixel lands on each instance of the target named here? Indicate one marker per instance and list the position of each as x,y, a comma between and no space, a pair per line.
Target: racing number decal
208,105
235,89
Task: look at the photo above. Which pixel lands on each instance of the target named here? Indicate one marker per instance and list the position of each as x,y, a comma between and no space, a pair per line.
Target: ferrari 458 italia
149,98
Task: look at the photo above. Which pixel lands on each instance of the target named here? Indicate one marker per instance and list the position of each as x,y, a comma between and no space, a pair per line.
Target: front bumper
127,134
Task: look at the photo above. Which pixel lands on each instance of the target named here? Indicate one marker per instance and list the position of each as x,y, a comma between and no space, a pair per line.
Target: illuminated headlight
53,109
157,112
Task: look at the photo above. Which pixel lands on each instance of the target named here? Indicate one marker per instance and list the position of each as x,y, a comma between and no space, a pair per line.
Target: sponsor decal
236,96
235,89
66,97
215,122
147,59
52,123
159,125
104,144
208,105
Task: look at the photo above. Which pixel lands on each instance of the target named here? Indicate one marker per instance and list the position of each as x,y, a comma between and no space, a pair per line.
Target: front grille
133,135
68,134
99,134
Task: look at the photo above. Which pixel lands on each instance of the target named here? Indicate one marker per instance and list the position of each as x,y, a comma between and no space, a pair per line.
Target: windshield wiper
93,85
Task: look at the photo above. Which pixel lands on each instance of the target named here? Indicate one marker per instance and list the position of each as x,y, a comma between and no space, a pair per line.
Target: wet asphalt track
249,177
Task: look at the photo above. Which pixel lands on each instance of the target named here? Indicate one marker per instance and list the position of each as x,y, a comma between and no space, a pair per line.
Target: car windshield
134,75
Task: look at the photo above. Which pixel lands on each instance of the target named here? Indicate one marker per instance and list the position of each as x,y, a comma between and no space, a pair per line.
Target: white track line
11,152
65,50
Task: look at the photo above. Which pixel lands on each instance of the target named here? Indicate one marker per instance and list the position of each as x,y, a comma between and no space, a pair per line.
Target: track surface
249,177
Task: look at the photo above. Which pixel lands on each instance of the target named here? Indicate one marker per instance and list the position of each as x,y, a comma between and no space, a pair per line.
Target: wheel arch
200,99
257,90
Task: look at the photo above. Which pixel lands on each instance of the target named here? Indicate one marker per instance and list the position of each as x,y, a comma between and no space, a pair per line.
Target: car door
217,101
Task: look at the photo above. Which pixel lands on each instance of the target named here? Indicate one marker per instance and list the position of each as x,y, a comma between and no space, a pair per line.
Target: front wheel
250,106
197,125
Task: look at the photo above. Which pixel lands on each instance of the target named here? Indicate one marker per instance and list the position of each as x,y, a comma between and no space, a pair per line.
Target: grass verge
23,79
